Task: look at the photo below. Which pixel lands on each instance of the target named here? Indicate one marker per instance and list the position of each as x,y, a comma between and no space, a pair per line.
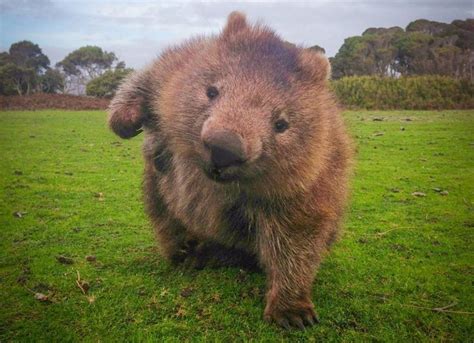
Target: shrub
408,93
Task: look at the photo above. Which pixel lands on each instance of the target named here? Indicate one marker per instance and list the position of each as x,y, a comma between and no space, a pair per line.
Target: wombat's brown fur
246,157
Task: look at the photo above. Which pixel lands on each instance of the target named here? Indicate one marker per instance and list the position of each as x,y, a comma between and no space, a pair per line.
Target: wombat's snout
226,148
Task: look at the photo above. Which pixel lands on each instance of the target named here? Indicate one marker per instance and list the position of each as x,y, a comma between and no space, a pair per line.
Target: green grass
400,256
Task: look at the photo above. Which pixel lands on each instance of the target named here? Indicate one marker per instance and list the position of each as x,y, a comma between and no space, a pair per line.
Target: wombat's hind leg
215,255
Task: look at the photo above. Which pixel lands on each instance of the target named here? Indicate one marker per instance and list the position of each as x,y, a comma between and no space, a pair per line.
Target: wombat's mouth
222,175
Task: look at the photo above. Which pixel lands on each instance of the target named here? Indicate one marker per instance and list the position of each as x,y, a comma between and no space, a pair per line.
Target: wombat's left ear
129,109
313,66
236,22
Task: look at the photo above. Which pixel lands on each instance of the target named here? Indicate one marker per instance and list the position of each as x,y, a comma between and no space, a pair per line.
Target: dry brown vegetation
52,101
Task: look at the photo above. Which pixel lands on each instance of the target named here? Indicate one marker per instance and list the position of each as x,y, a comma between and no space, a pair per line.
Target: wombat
246,158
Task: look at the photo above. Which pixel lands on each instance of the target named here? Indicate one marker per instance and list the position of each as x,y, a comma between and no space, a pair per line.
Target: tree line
25,69
423,48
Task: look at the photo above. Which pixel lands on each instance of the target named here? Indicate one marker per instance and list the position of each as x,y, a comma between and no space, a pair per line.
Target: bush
106,84
408,93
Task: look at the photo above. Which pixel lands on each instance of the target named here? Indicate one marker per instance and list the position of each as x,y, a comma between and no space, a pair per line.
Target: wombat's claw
297,322
311,318
284,323
301,319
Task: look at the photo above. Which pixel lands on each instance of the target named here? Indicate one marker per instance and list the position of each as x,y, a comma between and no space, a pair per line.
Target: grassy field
402,271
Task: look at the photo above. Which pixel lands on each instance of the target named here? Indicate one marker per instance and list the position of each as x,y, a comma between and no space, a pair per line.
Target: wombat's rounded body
246,157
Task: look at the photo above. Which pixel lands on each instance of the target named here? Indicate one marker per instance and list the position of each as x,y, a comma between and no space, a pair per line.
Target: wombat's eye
212,92
281,125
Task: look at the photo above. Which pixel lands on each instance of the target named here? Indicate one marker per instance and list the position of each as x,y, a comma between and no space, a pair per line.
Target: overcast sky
137,30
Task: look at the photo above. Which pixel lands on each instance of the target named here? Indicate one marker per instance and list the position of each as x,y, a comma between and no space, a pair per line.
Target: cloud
33,8
137,30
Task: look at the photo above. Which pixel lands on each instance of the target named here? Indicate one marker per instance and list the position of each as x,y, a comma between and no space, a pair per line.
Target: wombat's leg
290,258
174,242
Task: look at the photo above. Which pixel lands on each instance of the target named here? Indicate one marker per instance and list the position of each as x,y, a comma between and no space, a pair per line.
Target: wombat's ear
129,109
236,22
313,66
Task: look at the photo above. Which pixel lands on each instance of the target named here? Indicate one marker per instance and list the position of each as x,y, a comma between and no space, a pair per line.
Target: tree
25,54
11,79
5,58
432,28
21,67
85,64
106,84
373,53
15,79
351,59
52,81
318,49
425,47
414,54
429,47
7,86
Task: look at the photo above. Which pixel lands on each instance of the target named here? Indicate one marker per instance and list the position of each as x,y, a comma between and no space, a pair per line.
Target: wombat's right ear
129,109
236,22
314,66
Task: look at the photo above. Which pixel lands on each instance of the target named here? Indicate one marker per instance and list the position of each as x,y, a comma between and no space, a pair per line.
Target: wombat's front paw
178,257
193,255
187,256
194,261
301,316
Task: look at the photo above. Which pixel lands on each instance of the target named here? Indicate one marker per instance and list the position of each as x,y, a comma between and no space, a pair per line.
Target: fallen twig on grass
46,298
84,286
444,309
380,234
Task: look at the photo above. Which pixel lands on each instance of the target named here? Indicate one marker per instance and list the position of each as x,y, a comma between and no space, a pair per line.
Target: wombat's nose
226,148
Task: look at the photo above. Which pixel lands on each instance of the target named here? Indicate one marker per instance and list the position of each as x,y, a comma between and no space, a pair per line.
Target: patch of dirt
42,101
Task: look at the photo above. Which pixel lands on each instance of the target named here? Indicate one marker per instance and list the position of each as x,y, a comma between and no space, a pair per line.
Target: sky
138,30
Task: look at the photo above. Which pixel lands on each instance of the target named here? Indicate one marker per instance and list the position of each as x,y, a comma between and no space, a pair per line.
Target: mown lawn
402,271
